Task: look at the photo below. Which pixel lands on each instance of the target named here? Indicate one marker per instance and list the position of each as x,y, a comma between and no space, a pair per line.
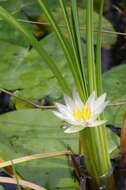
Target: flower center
84,113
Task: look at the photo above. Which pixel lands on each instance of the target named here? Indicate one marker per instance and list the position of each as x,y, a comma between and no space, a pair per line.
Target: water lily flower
81,115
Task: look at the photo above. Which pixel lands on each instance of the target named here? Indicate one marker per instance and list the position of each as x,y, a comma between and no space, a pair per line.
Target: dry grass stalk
21,182
34,157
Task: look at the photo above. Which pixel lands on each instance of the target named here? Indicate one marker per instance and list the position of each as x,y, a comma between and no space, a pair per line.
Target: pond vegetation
58,74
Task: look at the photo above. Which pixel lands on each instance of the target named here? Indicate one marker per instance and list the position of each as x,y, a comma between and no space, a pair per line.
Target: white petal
67,119
100,101
77,99
91,99
64,118
97,123
74,129
59,115
63,109
100,109
69,103
74,122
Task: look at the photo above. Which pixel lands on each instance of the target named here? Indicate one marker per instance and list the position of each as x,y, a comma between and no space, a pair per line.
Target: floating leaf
35,131
107,39
115,86
25,70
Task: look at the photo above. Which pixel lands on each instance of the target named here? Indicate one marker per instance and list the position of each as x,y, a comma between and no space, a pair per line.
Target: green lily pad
28,132
7,32
24,11
115,85
25,70
107,39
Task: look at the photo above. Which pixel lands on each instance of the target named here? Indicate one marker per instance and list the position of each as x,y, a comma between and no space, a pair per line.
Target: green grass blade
67,20
90,47
99,68
74,46
42,52
98,52
64,45
76,26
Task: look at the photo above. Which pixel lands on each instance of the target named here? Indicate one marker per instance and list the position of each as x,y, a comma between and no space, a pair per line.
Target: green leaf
115,86
28,132
25,70
24,11
11,61
18,5
15,5
8,34
41,51
114,144
107,39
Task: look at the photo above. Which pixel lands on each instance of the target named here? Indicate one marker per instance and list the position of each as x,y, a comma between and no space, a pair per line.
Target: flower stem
94,140
94,149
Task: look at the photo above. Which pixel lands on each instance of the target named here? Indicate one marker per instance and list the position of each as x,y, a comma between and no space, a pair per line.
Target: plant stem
94,140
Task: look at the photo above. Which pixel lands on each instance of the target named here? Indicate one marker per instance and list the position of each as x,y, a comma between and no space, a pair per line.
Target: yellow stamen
77,113
84,113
